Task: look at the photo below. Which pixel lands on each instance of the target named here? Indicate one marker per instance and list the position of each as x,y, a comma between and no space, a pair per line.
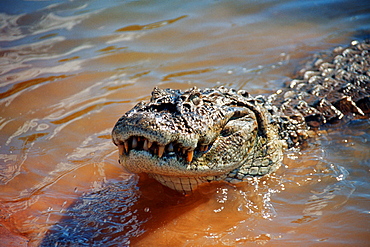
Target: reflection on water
70,69
104,216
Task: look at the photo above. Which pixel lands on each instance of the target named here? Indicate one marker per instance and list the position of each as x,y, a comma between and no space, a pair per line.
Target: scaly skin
183,139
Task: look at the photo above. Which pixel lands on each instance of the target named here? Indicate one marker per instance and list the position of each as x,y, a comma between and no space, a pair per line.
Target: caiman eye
239,112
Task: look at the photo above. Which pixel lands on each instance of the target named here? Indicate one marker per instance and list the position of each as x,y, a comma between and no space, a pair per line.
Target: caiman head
183,139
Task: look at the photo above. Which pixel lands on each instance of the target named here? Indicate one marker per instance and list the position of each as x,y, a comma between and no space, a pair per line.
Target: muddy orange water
70,69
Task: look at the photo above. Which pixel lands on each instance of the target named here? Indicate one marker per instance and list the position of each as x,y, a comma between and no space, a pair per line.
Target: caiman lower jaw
170,150
183,184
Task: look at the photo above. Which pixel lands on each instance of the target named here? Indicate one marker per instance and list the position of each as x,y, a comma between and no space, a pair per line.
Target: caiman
186,138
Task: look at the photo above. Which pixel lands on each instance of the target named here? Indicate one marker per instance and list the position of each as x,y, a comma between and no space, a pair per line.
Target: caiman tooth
160,150
170,147
189,156
134,142
145,145
126,146
203,148
150,143
121,149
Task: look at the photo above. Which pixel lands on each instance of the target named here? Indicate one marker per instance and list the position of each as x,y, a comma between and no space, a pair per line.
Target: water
70,69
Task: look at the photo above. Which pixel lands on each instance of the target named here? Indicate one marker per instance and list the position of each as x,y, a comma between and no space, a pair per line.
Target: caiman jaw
153,153
170,150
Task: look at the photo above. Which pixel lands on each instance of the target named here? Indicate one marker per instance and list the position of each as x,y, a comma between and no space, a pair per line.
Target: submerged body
183,139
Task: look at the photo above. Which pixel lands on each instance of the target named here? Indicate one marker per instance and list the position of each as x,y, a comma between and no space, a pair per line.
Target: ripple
150,26
16,27
103,217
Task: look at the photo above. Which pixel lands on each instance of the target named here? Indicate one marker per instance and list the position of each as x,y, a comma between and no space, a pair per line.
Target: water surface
70,69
